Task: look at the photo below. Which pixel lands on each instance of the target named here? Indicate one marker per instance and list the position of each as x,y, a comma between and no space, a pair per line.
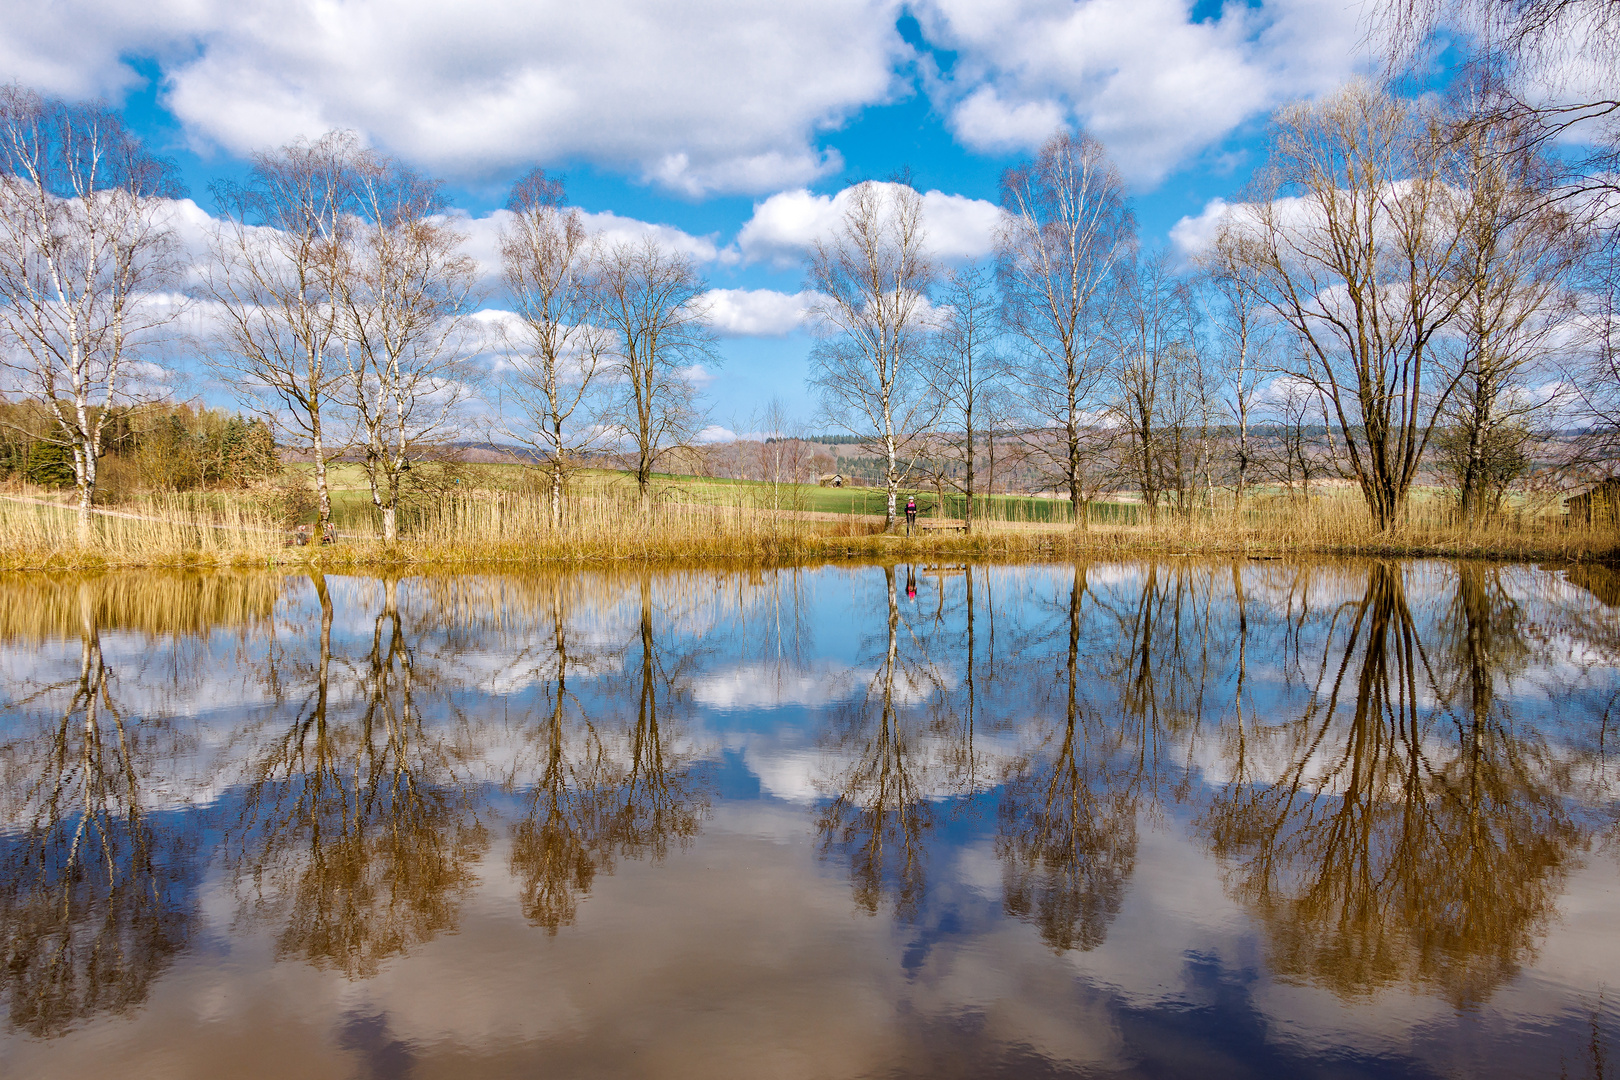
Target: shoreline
798,547
482,528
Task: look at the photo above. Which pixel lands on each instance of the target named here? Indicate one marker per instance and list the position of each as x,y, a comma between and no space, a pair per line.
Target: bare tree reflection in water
658,798
1413,835
93,898
564,838
1067,821
879,813
1594,697
356,833
603,793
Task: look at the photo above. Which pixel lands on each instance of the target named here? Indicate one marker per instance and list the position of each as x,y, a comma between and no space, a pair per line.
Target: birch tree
549,267
1245,343
654,311
1068,227
871,278
84,245
404,289
274,283
1156,381
969,366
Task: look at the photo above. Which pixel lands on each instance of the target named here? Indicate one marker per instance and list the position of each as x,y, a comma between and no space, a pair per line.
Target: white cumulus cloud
784,226
483,236
1154,85
1193,235
757,312
726,97
984,120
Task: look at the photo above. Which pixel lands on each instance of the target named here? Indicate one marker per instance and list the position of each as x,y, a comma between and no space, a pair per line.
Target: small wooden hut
1599,505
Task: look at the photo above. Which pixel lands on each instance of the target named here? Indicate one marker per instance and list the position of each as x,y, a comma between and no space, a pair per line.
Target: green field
352,509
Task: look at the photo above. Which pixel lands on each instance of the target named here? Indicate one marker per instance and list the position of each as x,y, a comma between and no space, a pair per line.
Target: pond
1156,819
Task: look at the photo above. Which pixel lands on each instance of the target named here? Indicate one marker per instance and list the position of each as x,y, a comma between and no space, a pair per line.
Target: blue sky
723,119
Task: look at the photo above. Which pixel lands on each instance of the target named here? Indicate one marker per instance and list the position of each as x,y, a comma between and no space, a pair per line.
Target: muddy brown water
1202,819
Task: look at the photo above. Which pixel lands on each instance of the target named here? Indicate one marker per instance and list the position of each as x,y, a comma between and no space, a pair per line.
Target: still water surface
1183,819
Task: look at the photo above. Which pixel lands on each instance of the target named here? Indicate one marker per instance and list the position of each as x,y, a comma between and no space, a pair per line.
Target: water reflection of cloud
485,681
765,685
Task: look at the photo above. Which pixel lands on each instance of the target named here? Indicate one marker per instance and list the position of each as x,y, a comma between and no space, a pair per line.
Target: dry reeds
480,526
40,607
153,530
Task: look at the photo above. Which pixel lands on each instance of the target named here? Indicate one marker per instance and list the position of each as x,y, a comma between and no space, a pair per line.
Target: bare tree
1518,256
652,305
84,242
1596,368
781,456
1244,346
1068,227
1157,381
870,366
1547,66
969,366
404,289
549,268
1547,70
1353,238
998,409
1296,446
274,278
1189,413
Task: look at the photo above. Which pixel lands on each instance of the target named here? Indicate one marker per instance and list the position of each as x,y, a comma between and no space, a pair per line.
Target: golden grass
167,603
158,530
489,527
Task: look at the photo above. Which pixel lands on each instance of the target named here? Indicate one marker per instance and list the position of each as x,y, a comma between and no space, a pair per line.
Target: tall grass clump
148,530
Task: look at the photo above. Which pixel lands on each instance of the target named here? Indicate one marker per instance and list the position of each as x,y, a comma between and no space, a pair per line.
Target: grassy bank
491,526
352,510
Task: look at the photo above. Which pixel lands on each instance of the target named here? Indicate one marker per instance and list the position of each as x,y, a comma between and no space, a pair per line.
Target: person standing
911,512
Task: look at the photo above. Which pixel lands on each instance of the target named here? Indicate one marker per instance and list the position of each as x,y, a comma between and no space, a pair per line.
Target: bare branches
1518,255
969,365
1160,396
83,245
1243,349
404,290
873,275
551,272
1069,227
1353,239
1534,36
274,278
652,306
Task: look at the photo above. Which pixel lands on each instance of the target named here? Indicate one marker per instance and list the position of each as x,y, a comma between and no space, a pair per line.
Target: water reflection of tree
560,842
1160,655
93,897
879,812
1067,821
356,833
602,793
658,798
1413,835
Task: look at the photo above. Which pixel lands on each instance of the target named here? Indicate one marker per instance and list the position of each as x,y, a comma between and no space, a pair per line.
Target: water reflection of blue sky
764,679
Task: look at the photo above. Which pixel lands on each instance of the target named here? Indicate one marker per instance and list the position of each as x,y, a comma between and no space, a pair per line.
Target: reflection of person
911,576
911,513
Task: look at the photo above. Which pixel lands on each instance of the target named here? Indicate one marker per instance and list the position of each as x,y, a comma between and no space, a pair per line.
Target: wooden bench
942,526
